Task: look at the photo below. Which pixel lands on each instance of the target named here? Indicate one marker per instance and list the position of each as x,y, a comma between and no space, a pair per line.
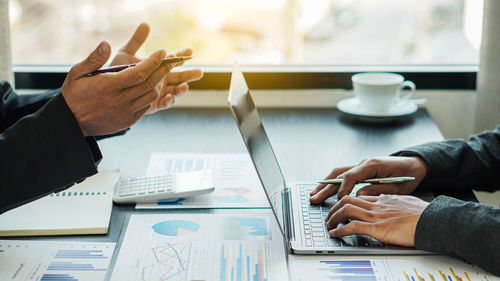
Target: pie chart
176,227
233,195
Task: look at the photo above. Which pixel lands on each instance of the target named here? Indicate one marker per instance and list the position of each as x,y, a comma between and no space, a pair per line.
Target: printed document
201,247
54,260
236,182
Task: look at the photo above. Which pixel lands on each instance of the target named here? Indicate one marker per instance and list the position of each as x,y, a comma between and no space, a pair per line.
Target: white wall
5,52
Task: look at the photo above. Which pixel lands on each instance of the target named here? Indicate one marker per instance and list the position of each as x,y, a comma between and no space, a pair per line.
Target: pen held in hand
372,181
117,68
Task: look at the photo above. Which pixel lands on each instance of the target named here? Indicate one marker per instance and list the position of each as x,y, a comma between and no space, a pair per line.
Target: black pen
117,68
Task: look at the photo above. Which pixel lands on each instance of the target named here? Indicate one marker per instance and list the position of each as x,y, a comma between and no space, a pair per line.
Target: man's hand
388,218
173,85
111,102
373,168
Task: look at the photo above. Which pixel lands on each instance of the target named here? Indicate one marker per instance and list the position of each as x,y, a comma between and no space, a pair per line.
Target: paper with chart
236,182
201,247
394,268
54,260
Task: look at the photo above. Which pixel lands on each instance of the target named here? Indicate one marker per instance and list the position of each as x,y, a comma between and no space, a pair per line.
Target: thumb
94,61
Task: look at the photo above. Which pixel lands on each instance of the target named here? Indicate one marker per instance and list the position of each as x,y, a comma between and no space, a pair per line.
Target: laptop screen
257,142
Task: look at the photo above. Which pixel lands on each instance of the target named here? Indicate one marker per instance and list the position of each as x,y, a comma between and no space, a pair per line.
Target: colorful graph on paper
436,268
443,276
50,261
349,270
170,262
236,182
396,268
234,195
246,228
154,249
239,263
176,227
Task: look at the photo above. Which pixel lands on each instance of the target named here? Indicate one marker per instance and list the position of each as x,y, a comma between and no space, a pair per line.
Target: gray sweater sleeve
466,230
454,165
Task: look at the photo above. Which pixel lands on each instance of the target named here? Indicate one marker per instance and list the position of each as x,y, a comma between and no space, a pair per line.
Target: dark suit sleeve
458,165
13,107
43,150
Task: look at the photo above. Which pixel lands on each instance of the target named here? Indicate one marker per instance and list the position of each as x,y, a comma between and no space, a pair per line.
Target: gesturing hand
172,85
373,168
388,218
111,102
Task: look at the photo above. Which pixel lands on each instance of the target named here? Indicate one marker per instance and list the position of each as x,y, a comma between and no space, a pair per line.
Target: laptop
301,223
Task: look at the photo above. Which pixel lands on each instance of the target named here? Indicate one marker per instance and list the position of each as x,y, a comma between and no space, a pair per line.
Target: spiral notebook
82,209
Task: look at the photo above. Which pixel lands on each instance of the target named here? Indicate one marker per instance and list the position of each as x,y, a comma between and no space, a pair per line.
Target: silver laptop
301,223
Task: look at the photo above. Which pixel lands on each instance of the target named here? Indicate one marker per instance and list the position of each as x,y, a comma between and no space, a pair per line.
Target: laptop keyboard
314,227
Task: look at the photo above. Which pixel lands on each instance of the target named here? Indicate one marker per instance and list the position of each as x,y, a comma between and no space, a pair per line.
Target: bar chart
436,268
73,266
307,268
58,277
443,275
54,260
388,268
243,262
80,254
348,270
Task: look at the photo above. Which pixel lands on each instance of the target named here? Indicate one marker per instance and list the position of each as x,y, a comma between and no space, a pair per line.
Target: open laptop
301,223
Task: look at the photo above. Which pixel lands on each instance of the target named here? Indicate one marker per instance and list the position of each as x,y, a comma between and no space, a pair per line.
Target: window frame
459,77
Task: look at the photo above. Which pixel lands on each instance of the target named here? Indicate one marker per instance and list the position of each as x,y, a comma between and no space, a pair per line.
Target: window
277,32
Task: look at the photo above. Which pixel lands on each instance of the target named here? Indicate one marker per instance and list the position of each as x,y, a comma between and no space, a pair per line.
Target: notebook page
82,209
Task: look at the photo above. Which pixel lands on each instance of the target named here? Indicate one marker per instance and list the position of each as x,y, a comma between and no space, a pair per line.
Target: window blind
488,80
5,52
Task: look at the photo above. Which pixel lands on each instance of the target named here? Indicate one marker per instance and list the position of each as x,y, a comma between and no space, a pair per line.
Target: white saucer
353,107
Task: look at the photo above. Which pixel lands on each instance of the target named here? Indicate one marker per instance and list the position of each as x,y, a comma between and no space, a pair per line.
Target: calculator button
126,193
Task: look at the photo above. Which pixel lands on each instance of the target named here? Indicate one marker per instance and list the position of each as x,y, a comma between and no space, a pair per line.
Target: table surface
308,144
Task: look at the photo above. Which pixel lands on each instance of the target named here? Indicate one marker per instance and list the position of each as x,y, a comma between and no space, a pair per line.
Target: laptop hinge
288,214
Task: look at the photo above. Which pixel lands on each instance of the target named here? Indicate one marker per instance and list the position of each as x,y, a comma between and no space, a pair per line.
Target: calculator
163,188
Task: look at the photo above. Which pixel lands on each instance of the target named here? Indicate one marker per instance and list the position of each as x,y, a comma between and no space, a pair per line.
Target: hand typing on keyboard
315,230
388,218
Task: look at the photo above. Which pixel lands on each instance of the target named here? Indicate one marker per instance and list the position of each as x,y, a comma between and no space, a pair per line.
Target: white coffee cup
377,92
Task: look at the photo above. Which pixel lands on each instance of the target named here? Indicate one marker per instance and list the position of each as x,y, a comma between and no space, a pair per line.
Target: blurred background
298,32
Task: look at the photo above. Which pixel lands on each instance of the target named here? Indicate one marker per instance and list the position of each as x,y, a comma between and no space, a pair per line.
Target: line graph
170,262
154,249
